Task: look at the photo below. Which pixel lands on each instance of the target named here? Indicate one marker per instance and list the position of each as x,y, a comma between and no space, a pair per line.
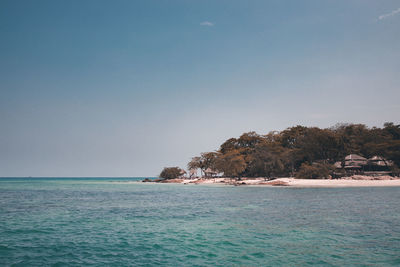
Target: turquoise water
110,222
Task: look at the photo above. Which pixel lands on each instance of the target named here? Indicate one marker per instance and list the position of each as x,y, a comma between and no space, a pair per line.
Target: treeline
298,150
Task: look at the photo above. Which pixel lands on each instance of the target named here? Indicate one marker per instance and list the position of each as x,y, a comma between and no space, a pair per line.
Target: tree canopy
171,172
299,149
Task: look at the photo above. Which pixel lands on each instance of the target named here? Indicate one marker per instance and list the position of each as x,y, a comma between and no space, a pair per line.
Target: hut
378,165
354,164
379,161
354,160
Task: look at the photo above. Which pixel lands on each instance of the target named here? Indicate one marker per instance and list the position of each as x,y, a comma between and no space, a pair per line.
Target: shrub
395,170
315,171
170,173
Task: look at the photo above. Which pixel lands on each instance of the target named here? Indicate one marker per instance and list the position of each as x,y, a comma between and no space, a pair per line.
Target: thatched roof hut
354,157
379,161
354,161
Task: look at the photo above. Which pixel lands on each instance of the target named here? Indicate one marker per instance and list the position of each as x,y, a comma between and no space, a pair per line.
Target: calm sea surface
111,222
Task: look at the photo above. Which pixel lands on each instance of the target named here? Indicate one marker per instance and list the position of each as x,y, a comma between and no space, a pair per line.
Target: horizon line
77,176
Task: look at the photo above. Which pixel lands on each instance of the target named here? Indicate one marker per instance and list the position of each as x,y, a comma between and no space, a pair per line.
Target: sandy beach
293,182
338,182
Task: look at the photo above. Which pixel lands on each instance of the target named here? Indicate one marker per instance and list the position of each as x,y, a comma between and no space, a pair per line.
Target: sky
125,88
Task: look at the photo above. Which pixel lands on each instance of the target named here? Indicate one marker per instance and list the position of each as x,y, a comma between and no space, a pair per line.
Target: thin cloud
390,14
207,23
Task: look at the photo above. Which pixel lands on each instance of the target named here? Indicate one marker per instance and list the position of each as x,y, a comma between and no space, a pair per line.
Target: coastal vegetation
170,173
304,152
315,171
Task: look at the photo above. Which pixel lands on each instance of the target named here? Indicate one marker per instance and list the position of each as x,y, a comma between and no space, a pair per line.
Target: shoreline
326,183
291,182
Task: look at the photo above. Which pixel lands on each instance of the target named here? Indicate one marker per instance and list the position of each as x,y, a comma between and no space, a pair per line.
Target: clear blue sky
124,88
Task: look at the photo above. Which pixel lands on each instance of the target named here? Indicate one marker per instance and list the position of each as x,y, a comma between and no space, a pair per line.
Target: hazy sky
124,88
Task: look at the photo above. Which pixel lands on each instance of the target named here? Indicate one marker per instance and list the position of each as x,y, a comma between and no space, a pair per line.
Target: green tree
229,145
208,160
268,160
232,163
300,149
205,161
170,172
314,171
195,163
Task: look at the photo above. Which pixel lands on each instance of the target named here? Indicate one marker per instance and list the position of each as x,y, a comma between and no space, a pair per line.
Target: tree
392,146
249,140
351,138
208,160
300,149
170,172
393,130
315,171
318,144
205,161
232,163
228,145
268,160
291,136
194,164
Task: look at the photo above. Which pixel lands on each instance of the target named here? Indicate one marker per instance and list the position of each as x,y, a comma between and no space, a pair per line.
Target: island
342,155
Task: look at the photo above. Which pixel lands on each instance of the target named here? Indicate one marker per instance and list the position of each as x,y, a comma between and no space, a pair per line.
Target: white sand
338,182
301,182
292,182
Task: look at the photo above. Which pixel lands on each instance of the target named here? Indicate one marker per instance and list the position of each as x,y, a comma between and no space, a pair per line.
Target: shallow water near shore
106,221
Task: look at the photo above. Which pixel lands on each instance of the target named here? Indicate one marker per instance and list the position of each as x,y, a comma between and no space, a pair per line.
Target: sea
123,222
